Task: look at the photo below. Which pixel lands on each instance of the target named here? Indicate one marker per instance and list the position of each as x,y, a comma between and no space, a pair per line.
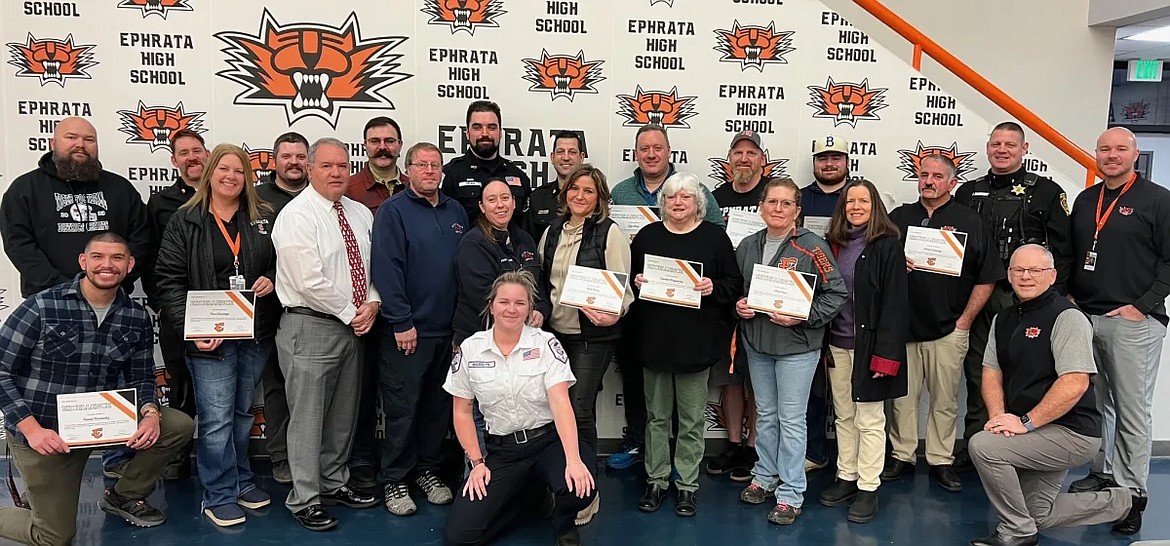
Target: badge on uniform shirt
470,182
558,351
1090,261
1125,211
481,364
457,227
531,354
1018,189
1032,332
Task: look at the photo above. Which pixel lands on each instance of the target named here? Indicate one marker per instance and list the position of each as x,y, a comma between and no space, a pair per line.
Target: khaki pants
861,427
938,364
54,483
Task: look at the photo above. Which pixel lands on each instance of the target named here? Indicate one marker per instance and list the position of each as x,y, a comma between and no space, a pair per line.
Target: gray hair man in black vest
1043,420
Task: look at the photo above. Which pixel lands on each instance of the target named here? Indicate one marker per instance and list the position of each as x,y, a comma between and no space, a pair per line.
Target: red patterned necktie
357,272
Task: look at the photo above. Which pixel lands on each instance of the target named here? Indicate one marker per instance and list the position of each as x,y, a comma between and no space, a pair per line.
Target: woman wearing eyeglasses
867,341
783,351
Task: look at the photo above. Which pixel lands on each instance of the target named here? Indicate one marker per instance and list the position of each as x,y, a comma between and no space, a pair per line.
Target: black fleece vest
591,253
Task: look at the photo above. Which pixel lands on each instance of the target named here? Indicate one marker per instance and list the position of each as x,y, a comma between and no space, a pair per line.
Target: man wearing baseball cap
830,166
742,191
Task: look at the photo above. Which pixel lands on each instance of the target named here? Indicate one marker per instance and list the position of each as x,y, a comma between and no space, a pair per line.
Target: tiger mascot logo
1135,110
153,125
312,69
263,163
663,108
846,103
156,7
563,75
464,15
753,46
52,60
723,172
911,160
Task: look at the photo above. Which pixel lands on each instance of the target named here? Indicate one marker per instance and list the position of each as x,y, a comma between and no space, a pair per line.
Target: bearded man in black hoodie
50,213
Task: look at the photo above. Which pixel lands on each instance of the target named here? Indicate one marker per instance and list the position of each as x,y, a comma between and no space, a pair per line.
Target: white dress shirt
512,390
312,267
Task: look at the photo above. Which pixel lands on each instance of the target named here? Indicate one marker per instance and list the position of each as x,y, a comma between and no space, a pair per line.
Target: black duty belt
311,313
521,436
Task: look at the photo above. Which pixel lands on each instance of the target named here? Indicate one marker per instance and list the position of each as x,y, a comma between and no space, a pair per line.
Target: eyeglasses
1033,271
785,203
427,166
375,142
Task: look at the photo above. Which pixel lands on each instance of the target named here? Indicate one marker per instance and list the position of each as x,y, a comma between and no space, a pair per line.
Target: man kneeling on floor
83,336
1037,383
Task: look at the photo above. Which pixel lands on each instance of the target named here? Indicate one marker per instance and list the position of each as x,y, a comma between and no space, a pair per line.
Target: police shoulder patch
1064,202
558,351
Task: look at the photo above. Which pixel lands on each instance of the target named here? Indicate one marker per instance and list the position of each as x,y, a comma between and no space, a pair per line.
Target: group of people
437,291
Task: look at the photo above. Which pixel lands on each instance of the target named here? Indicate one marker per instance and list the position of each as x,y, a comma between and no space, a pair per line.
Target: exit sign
1141,70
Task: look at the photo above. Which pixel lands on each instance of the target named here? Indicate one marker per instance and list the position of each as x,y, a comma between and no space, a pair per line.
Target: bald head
1117,152
75,149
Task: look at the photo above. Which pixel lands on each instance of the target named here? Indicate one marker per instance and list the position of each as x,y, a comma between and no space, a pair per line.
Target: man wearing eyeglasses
416,234
943,306
381,177
1038,374
464,176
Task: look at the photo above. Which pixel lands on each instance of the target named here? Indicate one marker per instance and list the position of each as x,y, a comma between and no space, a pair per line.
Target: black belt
522,436
311,313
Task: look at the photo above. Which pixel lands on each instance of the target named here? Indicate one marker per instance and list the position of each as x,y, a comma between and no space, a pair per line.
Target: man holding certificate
687,280
952,270
783,341
83,339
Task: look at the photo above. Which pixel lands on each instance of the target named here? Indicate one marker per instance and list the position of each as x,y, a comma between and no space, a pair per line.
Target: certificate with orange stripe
781,291
671,281
594,289
219,314
936,250
95,419
631,219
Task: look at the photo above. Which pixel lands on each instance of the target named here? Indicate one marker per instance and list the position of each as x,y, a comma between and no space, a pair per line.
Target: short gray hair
1048,259
947,163
326,141
684,182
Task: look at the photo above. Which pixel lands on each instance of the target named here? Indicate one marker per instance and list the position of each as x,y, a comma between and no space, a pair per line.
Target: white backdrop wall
792,70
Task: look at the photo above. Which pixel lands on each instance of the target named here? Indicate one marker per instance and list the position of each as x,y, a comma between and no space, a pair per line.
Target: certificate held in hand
95,419
631,219
219,314
741,223
594,289
671,281
936,250
781,291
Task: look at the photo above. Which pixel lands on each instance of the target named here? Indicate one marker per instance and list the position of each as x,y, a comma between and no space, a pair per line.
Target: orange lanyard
1101,200
233,245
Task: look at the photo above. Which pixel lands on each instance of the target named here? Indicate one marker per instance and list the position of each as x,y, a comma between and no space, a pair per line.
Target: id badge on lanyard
235,282
1102,219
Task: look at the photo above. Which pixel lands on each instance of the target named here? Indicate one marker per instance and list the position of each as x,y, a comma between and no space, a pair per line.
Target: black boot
864,507
1132,522
652,499
839,493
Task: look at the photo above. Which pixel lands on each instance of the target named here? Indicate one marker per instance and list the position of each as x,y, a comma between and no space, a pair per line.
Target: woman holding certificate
687,281
219,242
867,342
586,237
783,342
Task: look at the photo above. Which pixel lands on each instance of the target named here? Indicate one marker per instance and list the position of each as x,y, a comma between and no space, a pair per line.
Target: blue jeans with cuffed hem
781,385
224,390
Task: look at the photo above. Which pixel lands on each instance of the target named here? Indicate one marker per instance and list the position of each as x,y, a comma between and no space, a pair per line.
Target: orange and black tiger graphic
52,60
154,125
464,15
312,69
263,163
665,108
723,171
911,160
753,46
563,75
846,103
156,7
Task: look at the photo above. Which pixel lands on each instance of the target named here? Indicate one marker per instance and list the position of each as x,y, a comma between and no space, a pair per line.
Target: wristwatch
149,409
1027,422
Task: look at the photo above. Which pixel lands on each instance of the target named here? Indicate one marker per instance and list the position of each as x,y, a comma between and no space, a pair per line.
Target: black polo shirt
937,301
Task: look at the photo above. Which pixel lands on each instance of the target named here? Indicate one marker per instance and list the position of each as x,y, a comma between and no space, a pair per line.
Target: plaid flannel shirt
52,344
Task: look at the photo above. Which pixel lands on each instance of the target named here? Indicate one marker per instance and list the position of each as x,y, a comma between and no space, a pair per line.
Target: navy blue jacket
478,262
412,261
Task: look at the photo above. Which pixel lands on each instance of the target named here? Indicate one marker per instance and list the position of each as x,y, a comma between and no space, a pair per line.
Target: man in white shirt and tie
322,241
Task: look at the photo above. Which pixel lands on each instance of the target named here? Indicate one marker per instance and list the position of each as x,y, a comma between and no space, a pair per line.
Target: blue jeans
224,390
782,385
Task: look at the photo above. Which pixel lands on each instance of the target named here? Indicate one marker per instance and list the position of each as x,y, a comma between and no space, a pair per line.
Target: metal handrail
923,44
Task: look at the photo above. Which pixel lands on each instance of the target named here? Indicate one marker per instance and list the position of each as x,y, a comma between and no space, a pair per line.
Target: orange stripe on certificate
121,405
243,305
617,289
647,214
799,280
950,239
688,270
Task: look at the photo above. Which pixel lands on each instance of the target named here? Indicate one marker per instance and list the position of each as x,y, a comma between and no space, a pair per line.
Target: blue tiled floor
913,512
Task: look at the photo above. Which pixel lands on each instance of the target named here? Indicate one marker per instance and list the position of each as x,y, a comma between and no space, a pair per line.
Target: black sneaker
742,471
726,461
134,511
841,492
1093,482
